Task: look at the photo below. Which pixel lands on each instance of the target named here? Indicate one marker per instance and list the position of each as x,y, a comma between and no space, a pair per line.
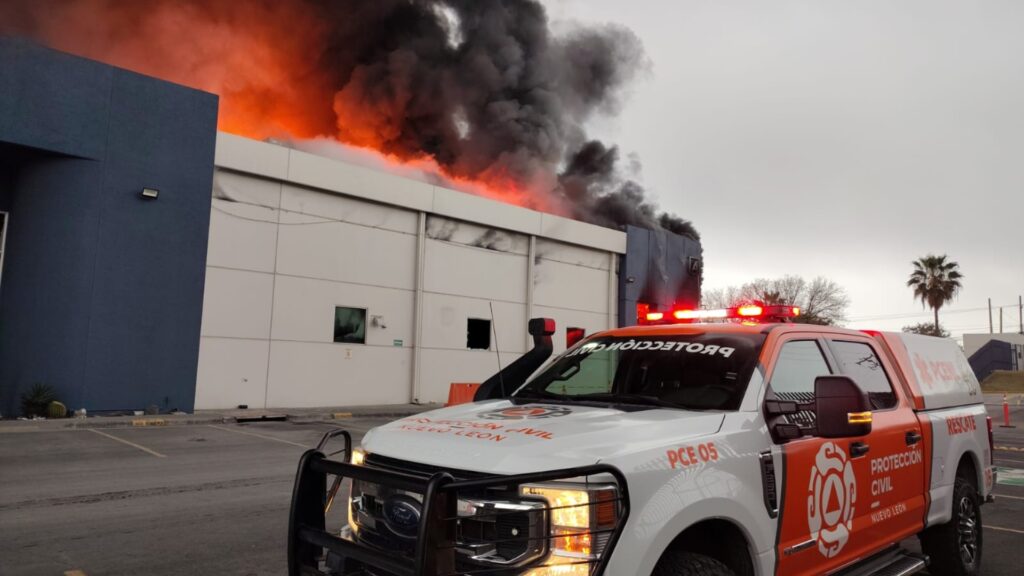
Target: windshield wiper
540,394
630,399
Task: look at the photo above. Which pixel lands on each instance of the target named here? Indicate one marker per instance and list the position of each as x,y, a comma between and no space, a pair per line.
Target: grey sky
840,138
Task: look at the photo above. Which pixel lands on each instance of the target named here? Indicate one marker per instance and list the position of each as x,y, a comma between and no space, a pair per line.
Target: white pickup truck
670,450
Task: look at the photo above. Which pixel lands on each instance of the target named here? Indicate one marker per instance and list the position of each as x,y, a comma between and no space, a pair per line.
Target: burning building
147,258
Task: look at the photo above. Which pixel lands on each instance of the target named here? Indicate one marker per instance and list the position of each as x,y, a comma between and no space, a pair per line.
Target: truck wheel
688,564
955,547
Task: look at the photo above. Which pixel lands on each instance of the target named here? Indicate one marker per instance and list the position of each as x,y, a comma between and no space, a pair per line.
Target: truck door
825,482
802,545
843,499
891,499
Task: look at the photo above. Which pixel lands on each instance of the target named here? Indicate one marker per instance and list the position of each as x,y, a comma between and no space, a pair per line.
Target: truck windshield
693,372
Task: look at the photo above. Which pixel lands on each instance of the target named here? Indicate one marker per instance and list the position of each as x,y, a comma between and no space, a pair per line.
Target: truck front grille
493,528
508,529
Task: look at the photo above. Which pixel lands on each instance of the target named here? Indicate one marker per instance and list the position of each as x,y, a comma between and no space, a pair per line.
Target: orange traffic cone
1006,414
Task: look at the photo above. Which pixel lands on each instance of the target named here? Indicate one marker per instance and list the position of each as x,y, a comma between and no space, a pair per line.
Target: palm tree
936,281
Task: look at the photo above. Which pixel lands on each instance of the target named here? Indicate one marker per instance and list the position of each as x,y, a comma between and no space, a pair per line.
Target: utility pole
989,315
1000,319
1020,313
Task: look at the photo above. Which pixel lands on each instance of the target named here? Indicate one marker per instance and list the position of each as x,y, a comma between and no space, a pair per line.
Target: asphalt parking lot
213,499
176,500
1004,519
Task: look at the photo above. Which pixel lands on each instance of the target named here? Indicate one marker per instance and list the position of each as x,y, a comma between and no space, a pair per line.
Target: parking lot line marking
74,573
1008,496
1000,528
132,444
265,437
1009,448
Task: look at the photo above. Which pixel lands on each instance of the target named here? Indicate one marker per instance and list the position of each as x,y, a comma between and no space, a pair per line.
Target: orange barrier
461,393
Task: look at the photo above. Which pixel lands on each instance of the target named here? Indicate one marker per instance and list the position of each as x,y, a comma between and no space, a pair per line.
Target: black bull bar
435,550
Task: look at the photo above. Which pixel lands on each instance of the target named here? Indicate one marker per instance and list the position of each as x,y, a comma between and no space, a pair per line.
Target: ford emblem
402,515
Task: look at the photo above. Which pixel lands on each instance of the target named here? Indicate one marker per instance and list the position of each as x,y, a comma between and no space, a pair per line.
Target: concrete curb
229,417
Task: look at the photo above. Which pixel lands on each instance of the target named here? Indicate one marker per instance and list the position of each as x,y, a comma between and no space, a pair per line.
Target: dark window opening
350,325
574,335
478,334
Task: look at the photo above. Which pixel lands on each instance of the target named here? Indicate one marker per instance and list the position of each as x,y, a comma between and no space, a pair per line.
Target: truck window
798,364
860,362
696,372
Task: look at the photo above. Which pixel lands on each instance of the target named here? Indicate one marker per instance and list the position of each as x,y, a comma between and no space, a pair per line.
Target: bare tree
821,300
825,302
772,291
721,297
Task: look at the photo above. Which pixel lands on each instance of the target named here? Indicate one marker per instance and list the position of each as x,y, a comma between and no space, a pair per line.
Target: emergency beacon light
754,312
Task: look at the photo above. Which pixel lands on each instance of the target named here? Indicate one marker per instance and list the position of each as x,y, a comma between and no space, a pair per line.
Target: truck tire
955,547
689,564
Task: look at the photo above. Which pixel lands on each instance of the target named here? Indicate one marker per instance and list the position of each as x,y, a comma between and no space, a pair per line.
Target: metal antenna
497,350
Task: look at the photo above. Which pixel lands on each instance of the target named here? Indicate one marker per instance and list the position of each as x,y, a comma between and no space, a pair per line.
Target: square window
350,325
478,334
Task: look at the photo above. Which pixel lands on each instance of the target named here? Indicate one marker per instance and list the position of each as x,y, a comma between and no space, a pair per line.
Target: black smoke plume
481,87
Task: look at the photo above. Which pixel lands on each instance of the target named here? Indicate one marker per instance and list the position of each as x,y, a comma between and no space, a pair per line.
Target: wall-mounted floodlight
150,193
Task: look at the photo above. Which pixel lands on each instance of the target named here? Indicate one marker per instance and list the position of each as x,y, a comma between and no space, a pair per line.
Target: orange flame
261,59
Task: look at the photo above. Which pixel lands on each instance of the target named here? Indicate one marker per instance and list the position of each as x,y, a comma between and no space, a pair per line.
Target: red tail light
655,316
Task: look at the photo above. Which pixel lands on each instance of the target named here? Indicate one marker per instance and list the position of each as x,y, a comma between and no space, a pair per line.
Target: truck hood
499,437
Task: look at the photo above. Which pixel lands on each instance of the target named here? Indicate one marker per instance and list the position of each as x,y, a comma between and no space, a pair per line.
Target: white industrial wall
294,235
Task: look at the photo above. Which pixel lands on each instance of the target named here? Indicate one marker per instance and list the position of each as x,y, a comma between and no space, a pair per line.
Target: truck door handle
913,437
858,449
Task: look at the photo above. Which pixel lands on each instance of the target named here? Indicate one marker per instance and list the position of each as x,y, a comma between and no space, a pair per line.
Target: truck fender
942,494
709,509
948,453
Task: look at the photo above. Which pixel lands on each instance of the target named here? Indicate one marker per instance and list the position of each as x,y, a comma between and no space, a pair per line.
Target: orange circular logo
525,412
831,496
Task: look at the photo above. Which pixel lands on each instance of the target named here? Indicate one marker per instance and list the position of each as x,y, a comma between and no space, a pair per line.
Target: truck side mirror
841,408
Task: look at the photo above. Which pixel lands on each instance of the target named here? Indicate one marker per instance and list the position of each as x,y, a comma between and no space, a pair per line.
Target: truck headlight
358,457
583,517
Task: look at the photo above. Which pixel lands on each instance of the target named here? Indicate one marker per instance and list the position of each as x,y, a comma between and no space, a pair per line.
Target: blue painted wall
995,355
659,268
101,293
